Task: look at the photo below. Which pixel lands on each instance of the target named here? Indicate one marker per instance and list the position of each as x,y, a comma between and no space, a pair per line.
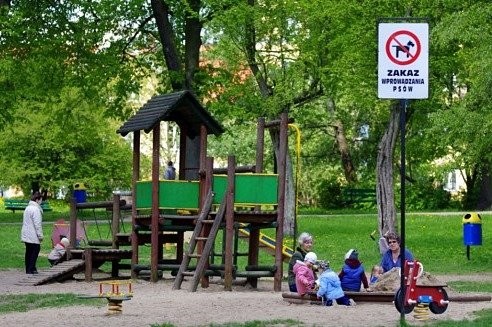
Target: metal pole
403,110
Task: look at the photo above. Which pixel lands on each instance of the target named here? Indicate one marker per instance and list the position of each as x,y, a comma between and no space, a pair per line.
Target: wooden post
154,238
260,144
115,222
277,279
88,264
207,185
135,178
73,227
115,228
229,230
254,233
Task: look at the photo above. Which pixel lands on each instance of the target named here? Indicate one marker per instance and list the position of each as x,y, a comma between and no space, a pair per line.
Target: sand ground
157,303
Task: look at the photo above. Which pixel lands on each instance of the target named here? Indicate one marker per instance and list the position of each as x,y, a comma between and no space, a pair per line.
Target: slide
268,244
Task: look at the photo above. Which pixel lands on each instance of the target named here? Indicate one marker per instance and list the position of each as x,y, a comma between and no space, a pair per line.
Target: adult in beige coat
32,232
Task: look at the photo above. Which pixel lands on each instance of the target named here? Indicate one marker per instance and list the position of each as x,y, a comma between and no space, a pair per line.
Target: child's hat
323,264
311,257
65,241
352,254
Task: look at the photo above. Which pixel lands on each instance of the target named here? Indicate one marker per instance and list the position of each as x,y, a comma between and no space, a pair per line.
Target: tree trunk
167,36
385,194
471,178
193,42
485,195
250,49
341,141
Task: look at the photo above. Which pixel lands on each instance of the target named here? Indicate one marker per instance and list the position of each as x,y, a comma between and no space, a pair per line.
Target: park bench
18,204
355,196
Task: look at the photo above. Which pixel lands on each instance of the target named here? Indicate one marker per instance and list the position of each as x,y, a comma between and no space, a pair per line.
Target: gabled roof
181,107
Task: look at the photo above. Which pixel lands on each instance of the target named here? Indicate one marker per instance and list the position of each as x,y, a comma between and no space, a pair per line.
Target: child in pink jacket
57,255
305,281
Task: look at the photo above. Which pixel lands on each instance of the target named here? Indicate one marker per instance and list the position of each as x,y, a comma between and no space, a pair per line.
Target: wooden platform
82,261
94,258
57,273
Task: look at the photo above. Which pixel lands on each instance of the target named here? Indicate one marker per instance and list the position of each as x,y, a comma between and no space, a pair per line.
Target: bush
330,195
425,195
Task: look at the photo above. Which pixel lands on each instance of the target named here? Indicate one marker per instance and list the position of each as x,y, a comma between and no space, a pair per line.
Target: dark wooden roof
181,107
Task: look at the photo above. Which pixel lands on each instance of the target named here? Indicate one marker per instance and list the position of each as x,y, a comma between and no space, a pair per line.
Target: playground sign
403,60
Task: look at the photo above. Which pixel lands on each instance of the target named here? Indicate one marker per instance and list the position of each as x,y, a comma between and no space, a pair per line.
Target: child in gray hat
330,287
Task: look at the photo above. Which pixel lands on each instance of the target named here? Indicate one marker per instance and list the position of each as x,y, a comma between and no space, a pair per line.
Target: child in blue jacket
353,273
329,286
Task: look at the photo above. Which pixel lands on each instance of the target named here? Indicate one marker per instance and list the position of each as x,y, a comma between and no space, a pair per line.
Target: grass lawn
435,239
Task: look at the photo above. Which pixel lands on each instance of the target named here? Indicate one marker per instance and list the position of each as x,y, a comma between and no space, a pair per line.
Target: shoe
352,303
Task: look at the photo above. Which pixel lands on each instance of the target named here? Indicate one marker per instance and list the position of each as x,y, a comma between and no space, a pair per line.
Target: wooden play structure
235,202
99,251
211,197
91,253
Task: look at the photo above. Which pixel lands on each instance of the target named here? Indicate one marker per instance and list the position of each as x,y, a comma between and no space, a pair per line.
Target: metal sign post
403,69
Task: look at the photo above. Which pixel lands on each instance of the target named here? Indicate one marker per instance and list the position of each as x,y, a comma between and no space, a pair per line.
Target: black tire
399,303
437,309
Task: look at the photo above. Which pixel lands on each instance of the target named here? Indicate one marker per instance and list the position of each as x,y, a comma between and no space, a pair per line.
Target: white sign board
403,61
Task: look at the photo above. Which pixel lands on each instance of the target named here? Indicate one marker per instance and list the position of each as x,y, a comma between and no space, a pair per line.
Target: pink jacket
304,278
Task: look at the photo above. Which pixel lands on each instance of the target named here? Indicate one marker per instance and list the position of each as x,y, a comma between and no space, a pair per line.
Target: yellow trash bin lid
79,186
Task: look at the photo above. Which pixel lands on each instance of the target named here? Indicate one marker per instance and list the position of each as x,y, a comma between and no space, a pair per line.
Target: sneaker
352,303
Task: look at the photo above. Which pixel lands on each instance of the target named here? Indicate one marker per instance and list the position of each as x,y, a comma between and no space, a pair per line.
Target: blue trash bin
472,234
472,229
79,193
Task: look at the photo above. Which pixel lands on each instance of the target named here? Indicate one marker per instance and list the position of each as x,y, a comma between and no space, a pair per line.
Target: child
305,281
376,272
353,274
329,286
58,253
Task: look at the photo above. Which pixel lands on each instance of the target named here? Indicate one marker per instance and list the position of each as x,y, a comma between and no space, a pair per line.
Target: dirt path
157,303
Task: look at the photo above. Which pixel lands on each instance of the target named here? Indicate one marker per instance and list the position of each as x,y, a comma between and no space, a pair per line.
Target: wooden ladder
197,236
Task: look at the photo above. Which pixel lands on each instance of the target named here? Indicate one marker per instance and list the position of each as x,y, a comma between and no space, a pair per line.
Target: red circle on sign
403,48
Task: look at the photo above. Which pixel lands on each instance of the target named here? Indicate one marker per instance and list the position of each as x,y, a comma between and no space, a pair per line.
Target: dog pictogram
405,49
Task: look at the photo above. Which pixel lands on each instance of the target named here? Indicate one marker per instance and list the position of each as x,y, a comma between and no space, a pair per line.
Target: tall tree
63,142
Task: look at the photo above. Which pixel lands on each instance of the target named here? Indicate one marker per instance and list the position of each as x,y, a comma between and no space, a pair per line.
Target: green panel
256,189
219,187
251,189
172,194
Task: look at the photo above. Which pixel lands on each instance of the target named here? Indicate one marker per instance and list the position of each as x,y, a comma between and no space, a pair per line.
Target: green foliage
330,195
64,61
425,195
63,142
